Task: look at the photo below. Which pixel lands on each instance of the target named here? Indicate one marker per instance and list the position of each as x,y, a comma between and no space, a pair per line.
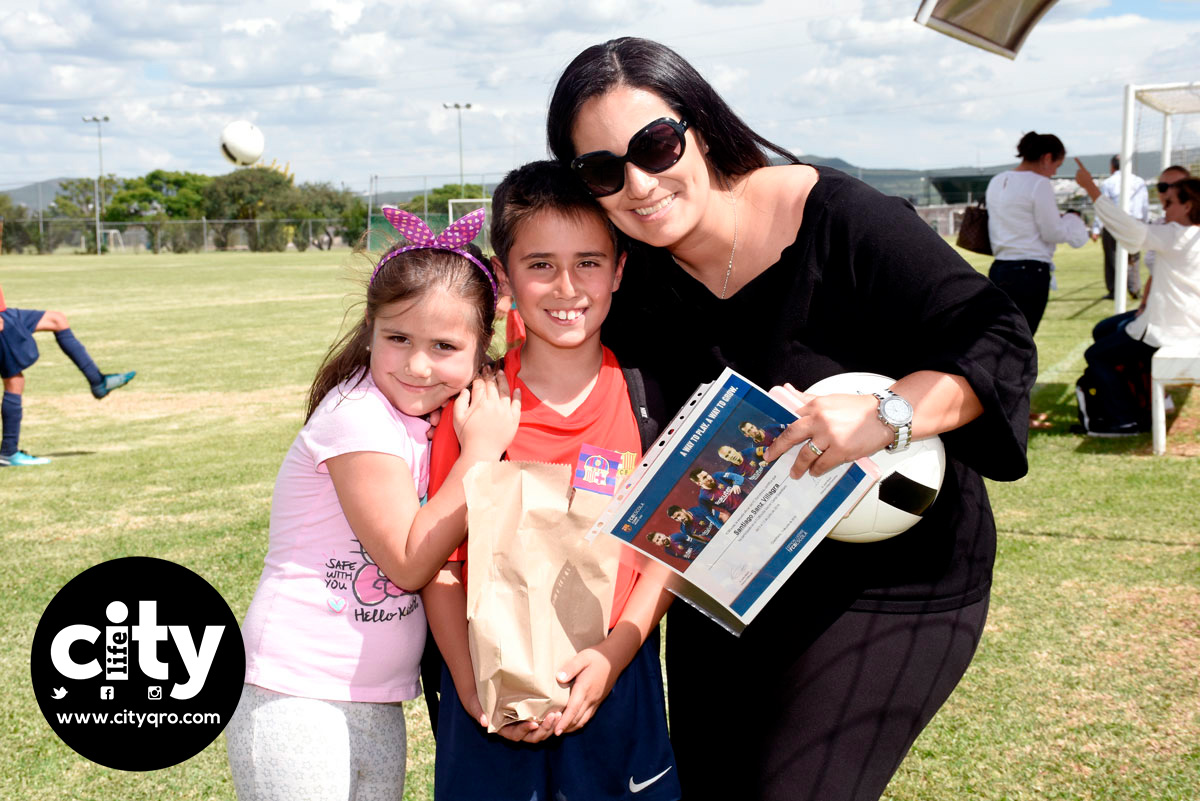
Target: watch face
897,411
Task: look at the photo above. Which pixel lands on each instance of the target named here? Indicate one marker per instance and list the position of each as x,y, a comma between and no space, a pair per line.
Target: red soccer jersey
605,419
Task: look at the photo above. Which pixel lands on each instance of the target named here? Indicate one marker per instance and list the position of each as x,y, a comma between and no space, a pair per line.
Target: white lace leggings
287,748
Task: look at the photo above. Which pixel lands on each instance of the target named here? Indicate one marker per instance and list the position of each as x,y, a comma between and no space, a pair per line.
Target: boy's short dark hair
537,186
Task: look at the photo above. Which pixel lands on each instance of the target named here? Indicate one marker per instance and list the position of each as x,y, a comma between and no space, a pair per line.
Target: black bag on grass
1094,414
1099,412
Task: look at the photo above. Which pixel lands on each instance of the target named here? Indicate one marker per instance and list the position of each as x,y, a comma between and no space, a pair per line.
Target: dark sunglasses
1163,186
655,148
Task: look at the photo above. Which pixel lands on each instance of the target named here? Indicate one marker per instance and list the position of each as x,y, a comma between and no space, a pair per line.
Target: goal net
458,207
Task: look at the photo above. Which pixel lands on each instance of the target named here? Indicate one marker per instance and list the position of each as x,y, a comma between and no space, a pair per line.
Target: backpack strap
648,406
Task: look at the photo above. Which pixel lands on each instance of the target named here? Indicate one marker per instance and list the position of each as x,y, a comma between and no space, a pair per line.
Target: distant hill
28,196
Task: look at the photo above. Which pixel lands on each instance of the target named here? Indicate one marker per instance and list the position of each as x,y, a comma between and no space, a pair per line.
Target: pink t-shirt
325,622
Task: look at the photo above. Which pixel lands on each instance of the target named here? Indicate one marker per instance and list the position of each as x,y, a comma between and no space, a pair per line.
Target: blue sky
1153,9
347,89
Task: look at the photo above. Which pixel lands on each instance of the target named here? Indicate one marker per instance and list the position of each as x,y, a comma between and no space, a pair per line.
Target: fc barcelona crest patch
600,470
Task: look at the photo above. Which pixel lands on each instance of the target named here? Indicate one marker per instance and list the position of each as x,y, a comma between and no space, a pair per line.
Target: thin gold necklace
732,250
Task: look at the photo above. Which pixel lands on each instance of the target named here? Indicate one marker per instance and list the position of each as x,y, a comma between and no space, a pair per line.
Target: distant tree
438,198
18,230
321,201
258,194
353,223
248,194
11,211
177,195
76,202
76,196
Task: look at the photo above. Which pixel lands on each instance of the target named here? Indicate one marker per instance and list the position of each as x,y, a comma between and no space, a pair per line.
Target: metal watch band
903,439
903,431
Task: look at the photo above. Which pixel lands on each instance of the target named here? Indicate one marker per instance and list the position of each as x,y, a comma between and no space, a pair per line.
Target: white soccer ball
242,143
908,481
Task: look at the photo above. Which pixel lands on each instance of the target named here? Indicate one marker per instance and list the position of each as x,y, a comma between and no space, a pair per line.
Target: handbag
973,231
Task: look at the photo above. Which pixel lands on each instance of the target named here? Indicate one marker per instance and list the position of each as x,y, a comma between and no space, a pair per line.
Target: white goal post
1169,99
460,206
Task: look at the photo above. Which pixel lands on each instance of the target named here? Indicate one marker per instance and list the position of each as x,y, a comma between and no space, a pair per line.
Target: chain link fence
58,235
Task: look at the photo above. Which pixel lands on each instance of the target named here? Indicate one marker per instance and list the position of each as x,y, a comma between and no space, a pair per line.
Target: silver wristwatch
896,413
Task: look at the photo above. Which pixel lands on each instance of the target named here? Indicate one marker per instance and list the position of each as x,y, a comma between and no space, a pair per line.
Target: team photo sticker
137,663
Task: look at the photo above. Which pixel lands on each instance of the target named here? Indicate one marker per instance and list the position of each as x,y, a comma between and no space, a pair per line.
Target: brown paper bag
537,591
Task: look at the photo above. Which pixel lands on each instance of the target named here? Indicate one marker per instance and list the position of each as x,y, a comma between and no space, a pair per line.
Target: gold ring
812,447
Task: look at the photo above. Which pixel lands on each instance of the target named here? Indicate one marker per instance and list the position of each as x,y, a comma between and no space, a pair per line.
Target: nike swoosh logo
637,787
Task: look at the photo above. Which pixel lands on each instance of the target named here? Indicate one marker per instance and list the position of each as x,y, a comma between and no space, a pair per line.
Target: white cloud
348,88
342,13
251,27
31,31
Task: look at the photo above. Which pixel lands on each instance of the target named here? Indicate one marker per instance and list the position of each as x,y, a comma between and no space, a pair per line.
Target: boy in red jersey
557,256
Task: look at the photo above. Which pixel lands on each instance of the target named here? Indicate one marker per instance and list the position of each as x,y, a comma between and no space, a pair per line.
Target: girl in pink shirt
335,631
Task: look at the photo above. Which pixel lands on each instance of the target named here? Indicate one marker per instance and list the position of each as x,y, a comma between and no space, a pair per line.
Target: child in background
557,254
19,351
333,642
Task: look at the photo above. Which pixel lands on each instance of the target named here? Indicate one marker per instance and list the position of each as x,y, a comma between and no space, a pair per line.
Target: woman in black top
790,274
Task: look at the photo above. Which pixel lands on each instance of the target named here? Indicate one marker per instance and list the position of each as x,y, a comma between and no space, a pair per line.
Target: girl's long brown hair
406,277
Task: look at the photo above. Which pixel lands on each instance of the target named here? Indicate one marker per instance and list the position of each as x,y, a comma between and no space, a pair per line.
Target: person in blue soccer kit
19,351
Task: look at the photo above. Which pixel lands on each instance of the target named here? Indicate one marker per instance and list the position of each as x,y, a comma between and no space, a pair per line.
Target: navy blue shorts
17,348
622,752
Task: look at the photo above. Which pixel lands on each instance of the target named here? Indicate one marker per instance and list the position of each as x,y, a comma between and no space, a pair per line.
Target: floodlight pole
459,107
100,150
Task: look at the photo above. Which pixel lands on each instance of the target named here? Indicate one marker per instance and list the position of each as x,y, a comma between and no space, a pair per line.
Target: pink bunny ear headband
454,239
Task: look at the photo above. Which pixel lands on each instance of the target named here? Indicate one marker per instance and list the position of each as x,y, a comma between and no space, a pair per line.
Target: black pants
830,723
1027,283
1111,325
1110,265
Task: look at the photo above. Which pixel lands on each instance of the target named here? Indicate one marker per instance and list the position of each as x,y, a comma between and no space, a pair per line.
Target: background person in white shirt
1138,208
1172,312
1025,225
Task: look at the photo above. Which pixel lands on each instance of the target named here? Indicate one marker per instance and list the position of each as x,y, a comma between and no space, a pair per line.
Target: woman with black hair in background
790,274
1025,226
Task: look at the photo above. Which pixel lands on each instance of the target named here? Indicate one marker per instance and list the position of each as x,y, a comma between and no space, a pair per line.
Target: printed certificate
722,527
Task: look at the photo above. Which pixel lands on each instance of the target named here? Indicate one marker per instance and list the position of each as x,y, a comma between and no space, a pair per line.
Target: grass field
1086,684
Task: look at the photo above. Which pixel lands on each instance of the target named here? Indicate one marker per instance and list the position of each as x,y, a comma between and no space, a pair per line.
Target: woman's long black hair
734,148
1034,145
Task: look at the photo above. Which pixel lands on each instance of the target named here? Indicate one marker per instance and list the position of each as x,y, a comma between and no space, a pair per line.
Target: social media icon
106,693
59,693
154,693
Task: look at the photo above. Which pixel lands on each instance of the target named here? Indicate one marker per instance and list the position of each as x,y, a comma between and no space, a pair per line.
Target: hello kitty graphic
371,587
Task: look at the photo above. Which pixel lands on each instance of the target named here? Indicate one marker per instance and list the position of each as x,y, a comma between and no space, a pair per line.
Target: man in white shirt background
1138,208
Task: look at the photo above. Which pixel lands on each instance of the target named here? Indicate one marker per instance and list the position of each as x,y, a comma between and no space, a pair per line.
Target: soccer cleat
110,382
22,459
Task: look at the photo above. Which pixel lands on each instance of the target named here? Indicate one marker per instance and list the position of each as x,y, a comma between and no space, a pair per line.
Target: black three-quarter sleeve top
866,286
